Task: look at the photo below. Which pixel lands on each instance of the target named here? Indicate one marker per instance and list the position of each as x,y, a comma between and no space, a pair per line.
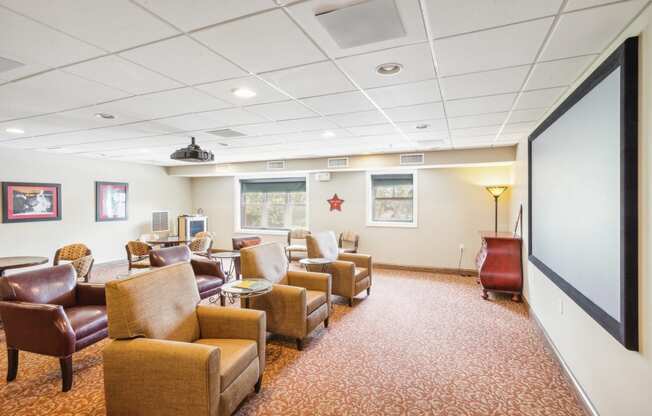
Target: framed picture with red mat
111,201
27,202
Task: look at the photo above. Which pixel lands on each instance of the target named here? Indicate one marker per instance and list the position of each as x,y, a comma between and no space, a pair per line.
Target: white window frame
237,187
370,200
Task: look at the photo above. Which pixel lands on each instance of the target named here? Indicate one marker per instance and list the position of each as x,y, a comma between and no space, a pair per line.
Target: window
273,204
392,199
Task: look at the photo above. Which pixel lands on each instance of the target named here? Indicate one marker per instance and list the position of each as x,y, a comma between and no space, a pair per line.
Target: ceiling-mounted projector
357,23
192,153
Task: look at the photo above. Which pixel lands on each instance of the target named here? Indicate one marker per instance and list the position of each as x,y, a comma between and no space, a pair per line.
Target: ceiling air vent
338,162
160,221
228,133
362,22
275,164
412,159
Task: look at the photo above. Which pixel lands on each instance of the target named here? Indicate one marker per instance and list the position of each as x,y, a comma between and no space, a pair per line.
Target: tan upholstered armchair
348,242
296,241
171,356
351,272
298,302
138,254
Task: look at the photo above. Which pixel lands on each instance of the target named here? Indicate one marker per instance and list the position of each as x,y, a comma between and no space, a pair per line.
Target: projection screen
583,219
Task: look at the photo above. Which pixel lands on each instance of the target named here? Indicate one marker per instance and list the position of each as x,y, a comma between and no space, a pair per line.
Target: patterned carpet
421,344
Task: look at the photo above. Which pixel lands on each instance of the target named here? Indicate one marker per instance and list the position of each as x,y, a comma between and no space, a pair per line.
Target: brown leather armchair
208,274
238,244
298,302
46,311
351,272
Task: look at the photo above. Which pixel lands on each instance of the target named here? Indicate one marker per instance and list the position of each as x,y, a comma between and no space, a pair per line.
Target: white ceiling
476,73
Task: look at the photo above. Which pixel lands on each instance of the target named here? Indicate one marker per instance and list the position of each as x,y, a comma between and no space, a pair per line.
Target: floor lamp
496,191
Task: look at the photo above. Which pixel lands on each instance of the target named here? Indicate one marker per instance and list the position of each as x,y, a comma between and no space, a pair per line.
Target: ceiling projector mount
192,153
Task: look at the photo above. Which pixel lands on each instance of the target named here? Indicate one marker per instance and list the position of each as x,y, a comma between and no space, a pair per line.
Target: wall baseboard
440,270
579,391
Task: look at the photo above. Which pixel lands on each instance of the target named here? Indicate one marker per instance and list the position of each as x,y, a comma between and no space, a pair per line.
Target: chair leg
12,368
66,373
259,384
299,344
351,302
369,291
326,322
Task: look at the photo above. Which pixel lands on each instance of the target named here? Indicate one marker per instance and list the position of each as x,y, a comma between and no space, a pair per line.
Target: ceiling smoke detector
192,153
361,22
105,116
422,126
389,69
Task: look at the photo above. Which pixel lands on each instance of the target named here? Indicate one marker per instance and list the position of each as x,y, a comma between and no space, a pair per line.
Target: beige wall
149,188
452,207
618,382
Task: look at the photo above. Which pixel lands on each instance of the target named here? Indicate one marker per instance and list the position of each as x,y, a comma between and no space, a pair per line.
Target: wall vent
275,164
412,159
228,133
338,162
160,221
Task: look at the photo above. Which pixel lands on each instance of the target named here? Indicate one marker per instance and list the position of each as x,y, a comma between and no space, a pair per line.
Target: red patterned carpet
421,344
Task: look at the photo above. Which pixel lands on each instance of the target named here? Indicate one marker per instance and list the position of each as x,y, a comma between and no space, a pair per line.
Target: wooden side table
500,264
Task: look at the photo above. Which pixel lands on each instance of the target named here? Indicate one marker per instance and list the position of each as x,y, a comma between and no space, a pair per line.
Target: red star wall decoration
335,203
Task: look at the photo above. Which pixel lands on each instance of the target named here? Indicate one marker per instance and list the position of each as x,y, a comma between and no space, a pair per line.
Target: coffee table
227,255
233,291
322,262
17,262
132,272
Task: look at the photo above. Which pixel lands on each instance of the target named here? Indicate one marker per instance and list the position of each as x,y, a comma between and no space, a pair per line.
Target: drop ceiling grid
380,109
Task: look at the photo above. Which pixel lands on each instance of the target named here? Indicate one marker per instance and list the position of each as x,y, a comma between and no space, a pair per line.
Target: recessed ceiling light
243,92
105,116
422,126
390,68
327,134
15,130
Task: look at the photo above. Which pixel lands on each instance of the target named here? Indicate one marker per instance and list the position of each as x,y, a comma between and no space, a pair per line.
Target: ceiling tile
409,10
492,119
28,42
520,116
424,126
539,98
288,126
165,104
265,42
284,110
204,12
405,94
416,61
345,102
439,136
484,83
373,130
581,4
525,128
589,31
360,118
475,132
490,49
448,17
123,75
558,73
480,105
224,91
50,92
185,60
233,116
416,112
113,25
300,81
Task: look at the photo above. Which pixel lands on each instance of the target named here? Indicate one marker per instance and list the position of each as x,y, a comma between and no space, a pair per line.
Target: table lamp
496,191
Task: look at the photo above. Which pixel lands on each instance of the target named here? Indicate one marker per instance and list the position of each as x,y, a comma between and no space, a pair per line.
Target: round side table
323,263
230,255
242,289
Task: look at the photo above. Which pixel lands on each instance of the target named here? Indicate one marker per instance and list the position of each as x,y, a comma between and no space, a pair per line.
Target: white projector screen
582,200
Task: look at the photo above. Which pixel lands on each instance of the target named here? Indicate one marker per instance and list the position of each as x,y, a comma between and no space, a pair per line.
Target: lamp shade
497,190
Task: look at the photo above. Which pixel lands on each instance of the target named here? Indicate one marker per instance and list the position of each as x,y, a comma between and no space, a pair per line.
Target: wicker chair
71,253
348,242
296,234
201,246
138,254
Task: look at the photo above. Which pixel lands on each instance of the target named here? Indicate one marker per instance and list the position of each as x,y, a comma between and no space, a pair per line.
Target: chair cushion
361,273
296,247
205,282
323,244
235,357
347,250
53,285
264,260
141,263
86,320
314,299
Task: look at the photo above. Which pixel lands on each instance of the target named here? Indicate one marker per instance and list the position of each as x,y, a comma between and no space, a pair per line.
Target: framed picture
111,201
26,202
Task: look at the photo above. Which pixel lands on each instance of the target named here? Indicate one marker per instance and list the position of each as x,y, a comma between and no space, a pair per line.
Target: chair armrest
207,267
286,309
360,260
144,376
90,294
342,268
310,280
234,323
39,328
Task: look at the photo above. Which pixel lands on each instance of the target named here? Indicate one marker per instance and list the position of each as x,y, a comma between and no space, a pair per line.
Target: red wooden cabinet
500,264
